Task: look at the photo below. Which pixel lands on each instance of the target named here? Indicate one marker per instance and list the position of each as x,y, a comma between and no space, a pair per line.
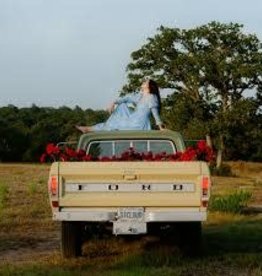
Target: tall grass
233,203
3,195
32,188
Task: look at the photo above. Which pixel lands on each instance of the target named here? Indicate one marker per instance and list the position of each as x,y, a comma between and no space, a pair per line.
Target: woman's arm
157,118
154,107
129,98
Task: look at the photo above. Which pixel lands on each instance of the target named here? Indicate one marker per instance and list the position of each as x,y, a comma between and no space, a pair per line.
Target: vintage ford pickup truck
130,197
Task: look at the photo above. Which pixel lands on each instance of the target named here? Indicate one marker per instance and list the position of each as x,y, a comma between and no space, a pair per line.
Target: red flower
105,159
176,156
81,153
200,152
202,145
52,149
148,156
87,157
63,157
189,155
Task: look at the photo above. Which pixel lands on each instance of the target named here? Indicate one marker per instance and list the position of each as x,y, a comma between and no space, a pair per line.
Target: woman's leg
119,116
84,129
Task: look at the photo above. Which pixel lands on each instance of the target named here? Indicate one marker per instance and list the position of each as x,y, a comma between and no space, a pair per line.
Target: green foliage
208,70
3,195
13,135
187,115
24,132
233,203
32,188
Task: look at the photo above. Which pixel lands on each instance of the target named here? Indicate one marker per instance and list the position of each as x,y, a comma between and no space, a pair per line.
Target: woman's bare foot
84,129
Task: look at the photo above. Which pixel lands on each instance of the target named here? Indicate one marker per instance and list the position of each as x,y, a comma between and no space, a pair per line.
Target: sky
75,52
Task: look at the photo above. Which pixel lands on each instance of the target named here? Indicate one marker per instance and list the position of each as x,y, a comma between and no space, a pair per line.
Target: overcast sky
74,52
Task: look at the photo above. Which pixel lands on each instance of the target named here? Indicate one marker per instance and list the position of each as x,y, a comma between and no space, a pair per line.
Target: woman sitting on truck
122,118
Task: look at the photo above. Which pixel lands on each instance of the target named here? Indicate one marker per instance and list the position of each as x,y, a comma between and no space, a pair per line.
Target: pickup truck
130,197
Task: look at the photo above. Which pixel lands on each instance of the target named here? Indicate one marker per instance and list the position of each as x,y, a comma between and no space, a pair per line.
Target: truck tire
71,239
190,234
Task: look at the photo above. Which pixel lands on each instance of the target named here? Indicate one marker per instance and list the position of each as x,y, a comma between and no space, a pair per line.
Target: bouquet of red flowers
201,151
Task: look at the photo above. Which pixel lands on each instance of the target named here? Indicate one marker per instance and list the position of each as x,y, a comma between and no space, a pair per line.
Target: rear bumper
150,215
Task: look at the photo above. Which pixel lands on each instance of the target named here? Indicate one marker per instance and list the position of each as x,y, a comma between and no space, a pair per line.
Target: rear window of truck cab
116,148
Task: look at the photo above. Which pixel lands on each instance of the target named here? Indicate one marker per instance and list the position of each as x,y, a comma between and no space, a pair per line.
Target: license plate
129,227
131,214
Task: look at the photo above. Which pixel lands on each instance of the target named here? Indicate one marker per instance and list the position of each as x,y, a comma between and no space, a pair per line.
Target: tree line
213,73
24,132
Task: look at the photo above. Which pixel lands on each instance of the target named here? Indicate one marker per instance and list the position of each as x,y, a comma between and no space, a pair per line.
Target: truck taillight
205,185
205,190
53,185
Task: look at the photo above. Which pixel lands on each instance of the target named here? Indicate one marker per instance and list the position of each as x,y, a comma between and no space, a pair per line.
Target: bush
233,203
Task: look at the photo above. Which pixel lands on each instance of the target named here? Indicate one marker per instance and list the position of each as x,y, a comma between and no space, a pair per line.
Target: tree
213,65
13,135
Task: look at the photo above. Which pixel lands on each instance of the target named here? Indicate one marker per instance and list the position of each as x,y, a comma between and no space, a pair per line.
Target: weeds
32,188
233,203
3,195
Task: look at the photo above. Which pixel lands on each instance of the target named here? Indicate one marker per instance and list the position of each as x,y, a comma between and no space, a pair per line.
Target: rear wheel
71,236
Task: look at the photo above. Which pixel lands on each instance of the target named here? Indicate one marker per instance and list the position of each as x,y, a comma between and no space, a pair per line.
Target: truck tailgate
114,184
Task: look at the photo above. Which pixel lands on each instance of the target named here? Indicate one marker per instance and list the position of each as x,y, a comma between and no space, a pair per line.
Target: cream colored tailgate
144,184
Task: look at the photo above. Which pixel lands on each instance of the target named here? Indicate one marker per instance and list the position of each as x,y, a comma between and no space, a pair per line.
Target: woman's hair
153,89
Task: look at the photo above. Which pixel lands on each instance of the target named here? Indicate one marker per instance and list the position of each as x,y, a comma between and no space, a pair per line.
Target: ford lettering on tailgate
134,187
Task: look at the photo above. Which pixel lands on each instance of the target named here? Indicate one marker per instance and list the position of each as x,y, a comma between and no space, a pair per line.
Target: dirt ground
26,228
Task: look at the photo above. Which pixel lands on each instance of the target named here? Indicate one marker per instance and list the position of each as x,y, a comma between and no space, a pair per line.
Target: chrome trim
84,216
175,216
111,216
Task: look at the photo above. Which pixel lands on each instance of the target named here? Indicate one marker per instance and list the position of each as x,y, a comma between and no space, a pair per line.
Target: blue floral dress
123,118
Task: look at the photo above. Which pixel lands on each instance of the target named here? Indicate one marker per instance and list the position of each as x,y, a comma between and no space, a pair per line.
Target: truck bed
125,184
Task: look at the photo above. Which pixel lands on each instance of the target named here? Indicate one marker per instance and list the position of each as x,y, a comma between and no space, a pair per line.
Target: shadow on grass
227,247
244,236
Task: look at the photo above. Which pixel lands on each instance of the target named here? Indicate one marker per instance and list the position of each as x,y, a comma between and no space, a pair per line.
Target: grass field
29,239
